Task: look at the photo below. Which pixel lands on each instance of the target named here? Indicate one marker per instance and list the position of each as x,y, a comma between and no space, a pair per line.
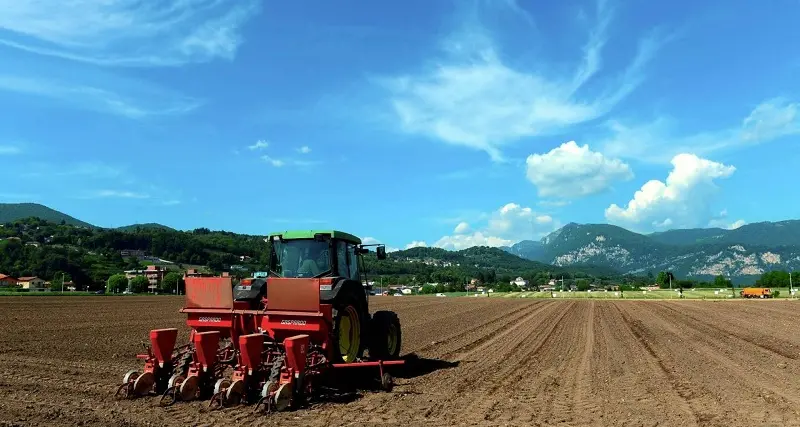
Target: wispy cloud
9,149
120,194
289,162
304,149
140,101
95,170
259,145
171,202
553,203
658,141
298,221
471,97
127,32
21,197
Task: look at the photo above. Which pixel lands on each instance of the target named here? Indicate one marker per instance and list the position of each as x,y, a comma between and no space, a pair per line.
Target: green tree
662,280
117,283
171,281
139,284
133,264
582,284
58,279
721,282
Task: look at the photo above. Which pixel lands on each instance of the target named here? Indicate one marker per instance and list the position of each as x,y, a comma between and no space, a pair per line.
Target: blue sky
447,123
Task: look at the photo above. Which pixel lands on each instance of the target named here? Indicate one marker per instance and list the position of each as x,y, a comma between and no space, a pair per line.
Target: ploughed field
511,362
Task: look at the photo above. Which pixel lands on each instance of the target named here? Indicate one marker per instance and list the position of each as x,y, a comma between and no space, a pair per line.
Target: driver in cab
310,261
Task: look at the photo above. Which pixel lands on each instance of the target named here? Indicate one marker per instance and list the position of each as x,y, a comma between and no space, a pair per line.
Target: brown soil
512,362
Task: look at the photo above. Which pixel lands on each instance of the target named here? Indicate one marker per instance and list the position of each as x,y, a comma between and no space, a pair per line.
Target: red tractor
272,340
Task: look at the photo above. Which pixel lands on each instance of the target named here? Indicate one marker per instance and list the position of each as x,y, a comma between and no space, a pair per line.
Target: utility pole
62,282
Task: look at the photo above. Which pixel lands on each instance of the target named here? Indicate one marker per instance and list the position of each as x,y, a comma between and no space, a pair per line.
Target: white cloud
506,226
722,221
472,97
129,99
274,162
259,145
658,142
553,203
462,227
571,171
682,202
772,119
116,194
416,244
9,149
290,162
463,241
304,149
127,32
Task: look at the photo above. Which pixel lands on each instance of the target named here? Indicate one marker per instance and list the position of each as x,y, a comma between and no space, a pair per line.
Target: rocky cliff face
701,253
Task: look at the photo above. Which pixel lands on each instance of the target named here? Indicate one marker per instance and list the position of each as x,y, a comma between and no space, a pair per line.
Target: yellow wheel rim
391,345
349,334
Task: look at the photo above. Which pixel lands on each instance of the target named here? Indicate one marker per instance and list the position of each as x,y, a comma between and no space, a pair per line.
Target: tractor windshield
300,258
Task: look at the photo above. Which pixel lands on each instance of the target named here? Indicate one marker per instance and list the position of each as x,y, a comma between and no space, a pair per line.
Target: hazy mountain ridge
749,250
10,212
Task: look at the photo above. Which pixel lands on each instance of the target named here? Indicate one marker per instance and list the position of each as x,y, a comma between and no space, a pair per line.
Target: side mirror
381,252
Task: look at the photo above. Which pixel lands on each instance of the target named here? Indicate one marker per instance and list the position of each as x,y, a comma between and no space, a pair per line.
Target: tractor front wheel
385,336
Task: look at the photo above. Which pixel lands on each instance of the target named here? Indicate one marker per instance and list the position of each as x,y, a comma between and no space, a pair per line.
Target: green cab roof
309,234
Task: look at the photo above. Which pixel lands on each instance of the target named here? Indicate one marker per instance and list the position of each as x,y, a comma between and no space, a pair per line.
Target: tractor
280,335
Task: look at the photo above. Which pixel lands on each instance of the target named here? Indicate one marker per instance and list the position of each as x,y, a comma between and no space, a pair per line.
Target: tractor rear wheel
386,337
347,332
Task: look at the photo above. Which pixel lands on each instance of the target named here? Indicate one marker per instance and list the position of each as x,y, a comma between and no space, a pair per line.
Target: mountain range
700,253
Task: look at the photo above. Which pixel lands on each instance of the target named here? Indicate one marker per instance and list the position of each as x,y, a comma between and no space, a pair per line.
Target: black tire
385,327
347,305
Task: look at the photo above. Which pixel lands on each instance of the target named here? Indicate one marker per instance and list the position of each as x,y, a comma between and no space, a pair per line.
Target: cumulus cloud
680,202
505,226
461,228
658,141
127,32
571,171
304,149
472,97
416,244
722,221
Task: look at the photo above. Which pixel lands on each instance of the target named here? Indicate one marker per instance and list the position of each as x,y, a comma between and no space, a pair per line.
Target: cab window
341,259
352,262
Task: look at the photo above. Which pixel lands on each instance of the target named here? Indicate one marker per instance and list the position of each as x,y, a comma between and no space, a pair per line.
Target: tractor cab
316,254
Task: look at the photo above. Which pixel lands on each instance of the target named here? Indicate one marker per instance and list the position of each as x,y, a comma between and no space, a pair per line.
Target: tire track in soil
502,390
519,318
463,386
683,391
726,354
552,391
768,346
487,328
